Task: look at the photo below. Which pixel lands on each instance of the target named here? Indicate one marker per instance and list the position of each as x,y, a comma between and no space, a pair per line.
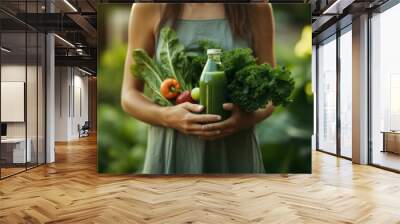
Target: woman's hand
237,121
183,118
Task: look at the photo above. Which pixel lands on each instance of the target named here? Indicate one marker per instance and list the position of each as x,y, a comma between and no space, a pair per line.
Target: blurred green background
285,137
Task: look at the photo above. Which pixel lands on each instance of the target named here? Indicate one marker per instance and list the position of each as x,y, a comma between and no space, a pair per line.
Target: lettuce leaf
173,58
146,69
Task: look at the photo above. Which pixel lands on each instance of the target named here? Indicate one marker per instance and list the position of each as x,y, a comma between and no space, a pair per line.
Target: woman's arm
143,20
140,35
263,26
264,43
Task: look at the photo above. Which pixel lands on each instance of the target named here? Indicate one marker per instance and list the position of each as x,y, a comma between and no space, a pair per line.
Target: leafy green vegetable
253,86
197,64
283,84
236,59
173,59
149,71
250,87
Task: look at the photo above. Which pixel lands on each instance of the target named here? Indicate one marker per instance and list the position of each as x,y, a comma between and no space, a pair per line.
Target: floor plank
70,191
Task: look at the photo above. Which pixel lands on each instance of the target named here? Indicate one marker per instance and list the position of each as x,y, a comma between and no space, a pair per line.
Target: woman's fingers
228,106
196,121
208,126
226,124
217,125
204,118
195,108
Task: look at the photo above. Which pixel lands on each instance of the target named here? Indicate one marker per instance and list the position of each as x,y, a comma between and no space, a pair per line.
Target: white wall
71,94
62,81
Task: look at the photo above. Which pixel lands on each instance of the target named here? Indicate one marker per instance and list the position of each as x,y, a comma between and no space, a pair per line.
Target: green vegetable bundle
250,85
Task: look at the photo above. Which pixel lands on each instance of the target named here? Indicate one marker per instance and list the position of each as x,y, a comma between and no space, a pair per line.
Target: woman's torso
216,30
172,152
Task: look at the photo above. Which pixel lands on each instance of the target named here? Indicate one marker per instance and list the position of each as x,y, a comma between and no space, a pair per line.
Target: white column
314,90
360,90
50,110
50,92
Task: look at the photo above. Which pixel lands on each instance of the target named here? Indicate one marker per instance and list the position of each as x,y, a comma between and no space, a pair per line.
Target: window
327,95
22,78
385,89
346,92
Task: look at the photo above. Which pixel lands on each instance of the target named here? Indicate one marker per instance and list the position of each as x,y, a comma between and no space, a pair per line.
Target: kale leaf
249,88
236,59
254,86
283,84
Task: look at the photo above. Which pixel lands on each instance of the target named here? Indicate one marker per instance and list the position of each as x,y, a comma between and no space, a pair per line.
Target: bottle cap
214,51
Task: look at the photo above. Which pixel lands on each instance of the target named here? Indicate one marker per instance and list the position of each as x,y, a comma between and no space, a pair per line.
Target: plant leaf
173,57
149,71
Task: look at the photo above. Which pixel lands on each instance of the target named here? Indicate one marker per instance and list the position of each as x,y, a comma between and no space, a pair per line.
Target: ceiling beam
337,7
84,24
81,61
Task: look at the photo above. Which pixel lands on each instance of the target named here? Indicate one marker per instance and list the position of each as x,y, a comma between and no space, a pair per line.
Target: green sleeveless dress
171,152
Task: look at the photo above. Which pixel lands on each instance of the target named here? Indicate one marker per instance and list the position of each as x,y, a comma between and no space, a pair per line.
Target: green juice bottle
213,85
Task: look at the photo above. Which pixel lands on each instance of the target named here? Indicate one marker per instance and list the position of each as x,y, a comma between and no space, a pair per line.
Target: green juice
213,85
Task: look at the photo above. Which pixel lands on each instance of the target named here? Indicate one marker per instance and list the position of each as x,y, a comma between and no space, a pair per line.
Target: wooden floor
70,191
8,171
11,170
